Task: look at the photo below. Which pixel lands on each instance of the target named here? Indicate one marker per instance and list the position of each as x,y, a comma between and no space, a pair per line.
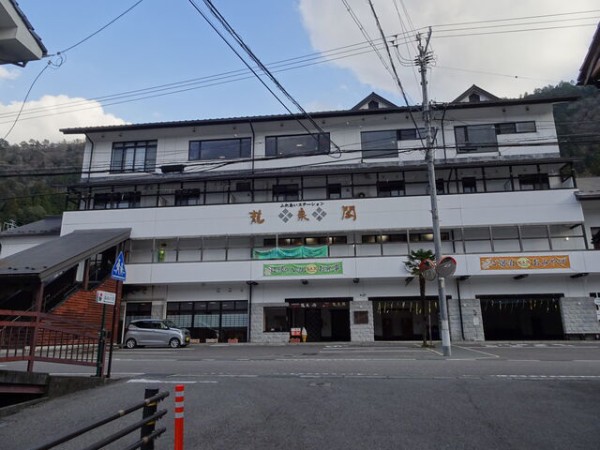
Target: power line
61,59
226,77
258,62
100,29
396,77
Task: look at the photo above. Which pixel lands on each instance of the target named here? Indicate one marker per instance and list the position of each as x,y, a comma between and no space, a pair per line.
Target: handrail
152,400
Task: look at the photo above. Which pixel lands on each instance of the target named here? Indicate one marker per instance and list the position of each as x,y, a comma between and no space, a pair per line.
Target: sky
161,61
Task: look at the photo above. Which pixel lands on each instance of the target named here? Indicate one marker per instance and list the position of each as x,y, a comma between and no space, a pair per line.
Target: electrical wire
100,29
258,62
25,99
396,77
59,62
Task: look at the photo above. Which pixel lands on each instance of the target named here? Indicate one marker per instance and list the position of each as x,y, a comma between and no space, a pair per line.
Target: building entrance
324,319
403,318
534,317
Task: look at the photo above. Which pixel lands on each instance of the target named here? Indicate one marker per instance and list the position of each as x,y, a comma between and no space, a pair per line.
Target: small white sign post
106,298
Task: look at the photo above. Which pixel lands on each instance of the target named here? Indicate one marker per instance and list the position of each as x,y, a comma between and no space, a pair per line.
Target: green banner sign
291,252
303,269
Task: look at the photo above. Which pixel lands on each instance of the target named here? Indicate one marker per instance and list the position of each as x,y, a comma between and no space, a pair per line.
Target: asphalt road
372,396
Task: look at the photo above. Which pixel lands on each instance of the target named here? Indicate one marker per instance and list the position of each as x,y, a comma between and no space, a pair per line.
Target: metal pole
101,341
115,311
39,294
148,411
423,59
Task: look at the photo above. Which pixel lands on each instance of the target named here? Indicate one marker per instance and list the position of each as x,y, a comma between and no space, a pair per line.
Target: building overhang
589,73
153,178
45,260
19,43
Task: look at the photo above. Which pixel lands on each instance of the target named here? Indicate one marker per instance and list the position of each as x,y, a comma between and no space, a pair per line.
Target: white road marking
573,377
145,380
478,351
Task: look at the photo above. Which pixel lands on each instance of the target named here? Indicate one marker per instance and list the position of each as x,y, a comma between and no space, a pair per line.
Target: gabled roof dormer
475,95
373,101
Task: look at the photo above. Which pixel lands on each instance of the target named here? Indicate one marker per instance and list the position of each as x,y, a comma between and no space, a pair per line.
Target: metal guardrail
147,426
31,336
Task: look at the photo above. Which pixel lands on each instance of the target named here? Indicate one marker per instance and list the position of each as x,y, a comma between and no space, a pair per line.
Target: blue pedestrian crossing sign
118,271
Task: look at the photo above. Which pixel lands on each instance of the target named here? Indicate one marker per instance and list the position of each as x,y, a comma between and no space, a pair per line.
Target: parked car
155,332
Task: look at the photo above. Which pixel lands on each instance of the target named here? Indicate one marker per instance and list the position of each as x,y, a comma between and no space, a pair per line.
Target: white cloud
506,64
41,119
6,74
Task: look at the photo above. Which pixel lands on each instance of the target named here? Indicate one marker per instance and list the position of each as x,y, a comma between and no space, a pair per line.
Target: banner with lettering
303,269
292,252
524,262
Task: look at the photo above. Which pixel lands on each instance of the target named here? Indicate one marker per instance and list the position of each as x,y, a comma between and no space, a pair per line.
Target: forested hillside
577,124
28,193
33,179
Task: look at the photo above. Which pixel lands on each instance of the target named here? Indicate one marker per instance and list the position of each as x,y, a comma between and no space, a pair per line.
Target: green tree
40,192
577,124
412,264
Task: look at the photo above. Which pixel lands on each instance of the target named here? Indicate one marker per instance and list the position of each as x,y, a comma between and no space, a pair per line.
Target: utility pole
422,60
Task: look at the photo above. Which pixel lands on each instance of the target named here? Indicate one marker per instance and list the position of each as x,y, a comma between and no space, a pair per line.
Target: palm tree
415,257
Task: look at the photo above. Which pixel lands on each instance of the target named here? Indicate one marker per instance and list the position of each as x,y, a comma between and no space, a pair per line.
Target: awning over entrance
45,260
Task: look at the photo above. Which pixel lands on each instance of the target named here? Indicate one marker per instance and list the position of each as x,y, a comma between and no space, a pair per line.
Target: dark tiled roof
316,115
29,26
46,227
589,73
47,259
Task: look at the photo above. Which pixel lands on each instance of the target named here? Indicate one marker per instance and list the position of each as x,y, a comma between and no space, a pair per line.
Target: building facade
244,228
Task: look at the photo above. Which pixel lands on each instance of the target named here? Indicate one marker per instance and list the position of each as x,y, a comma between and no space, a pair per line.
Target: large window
285,192
276,319
483,138
384,144
220,149
187,197
379,144
411,134
134,156
297,145
390,188
534,181
595,231
210,320
476,138
515,127
117,200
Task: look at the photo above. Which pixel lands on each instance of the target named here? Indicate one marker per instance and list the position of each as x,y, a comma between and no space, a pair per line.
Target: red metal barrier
30,336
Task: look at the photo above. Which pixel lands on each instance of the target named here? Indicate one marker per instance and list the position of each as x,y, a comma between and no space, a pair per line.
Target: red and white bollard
179,417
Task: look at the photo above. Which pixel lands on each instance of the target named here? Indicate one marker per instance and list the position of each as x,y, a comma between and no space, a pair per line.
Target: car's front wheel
174,343
130,343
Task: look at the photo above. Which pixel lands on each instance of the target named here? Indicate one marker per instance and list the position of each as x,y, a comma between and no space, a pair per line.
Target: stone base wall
361,332
472,323
579,316
257,326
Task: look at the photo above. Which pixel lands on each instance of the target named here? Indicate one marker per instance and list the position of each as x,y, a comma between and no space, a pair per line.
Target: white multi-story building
243,228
